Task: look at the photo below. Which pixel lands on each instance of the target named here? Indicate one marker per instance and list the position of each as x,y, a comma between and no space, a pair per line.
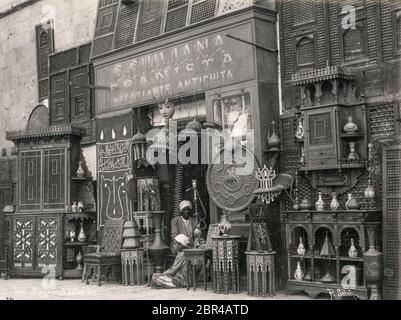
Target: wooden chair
107,257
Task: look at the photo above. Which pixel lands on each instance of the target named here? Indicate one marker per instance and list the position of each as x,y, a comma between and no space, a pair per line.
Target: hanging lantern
139,146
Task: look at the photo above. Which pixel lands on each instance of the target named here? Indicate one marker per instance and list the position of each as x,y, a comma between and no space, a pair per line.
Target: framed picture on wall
234,113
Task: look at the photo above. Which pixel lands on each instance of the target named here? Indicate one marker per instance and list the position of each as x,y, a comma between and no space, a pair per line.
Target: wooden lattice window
305,49
151,17
44,47
397,32
303,11
354,42
177,14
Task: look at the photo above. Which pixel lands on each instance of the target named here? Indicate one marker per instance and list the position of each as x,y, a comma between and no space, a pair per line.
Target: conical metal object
327,248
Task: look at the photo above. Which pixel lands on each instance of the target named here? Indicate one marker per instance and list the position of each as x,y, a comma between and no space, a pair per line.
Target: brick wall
74,23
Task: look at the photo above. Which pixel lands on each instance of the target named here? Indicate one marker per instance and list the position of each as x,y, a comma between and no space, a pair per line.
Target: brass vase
158,250
373,265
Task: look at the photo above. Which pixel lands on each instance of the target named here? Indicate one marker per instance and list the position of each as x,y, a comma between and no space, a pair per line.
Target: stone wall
74,24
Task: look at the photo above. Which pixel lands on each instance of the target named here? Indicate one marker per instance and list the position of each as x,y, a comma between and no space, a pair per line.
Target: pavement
44,289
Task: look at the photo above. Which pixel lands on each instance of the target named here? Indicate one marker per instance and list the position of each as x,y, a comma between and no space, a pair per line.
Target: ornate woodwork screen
392,221
54,179
35,242
42,180
23,242
320,129
44,47
30,180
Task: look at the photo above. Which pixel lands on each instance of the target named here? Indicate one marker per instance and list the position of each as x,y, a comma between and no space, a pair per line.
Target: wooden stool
225,264
132,265
260,264
195,257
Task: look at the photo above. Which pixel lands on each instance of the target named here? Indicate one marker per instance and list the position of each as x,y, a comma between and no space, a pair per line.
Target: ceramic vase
79,258
80,172
274,141
72,235
373,265
352,203
369,193
306,204
319,204
82,235
301,248
298,274
350,126
74,207
352,252
225,225
295,205
352,156
80,206
334,204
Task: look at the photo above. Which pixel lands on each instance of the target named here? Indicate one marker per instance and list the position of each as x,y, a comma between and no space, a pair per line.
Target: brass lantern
139,146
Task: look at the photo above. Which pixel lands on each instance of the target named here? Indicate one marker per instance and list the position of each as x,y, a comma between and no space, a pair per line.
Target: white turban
184,204
183,239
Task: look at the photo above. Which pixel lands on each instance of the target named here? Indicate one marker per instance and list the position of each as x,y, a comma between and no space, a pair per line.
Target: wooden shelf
300,257
79,244
79,215
81,178
331,212
358,259
351,135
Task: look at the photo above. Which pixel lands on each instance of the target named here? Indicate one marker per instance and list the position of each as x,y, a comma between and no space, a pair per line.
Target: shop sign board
210,61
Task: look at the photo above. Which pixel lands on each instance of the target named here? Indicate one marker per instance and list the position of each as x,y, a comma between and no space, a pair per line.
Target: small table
225,261
195,257
132,265
260,263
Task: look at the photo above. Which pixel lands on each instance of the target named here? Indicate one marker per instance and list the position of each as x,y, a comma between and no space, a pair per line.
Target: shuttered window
353,42
44,47
305,52
151,19
126,25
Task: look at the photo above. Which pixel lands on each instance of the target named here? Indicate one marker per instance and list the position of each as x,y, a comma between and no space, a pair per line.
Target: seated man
176,275
185,223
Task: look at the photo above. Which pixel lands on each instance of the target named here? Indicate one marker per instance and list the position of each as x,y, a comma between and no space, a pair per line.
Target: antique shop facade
201,69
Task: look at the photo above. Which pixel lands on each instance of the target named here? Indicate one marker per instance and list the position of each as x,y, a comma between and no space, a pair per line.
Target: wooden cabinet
339,226
326,144
48,158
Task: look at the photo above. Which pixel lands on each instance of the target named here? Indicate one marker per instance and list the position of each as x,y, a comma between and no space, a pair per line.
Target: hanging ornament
125,131
101,135
113,134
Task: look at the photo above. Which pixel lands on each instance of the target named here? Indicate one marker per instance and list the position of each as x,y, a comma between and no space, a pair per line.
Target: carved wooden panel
54,179
23,242
47,238
113,235
30,180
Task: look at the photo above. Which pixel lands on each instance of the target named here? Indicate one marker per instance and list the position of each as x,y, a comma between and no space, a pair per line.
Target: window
303,11
354,42
44,47
305,52
397,32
